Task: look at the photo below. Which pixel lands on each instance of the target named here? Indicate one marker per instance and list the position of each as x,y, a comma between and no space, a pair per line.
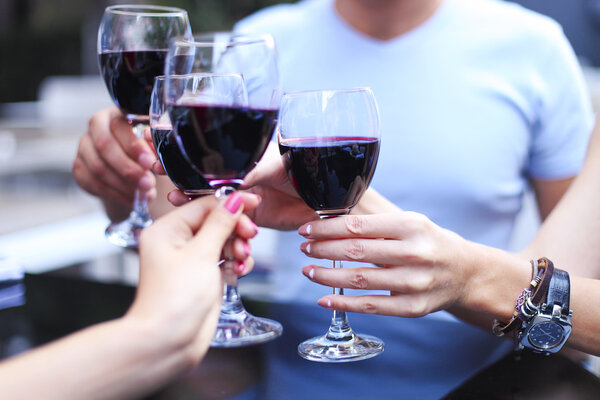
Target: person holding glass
168,328
479,100
427,268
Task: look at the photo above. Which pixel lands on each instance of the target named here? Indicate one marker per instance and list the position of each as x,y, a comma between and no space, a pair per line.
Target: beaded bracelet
542,271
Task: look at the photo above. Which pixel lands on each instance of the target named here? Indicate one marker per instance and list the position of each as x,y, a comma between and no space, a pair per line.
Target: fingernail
145,183
255,228
233,203
246,249
305,247
328,303
305,230
311,273
146,160
240,267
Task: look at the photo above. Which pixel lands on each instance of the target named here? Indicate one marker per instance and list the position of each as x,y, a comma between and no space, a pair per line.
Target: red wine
330,174
129,77
223,143
176,166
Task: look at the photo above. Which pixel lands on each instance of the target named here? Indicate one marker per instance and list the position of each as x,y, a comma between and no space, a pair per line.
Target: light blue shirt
474,102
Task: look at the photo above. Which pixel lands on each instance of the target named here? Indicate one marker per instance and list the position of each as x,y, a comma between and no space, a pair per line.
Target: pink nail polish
246,249
233,203
240,267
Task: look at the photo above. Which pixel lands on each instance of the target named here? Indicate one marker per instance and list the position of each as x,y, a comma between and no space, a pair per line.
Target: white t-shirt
473,102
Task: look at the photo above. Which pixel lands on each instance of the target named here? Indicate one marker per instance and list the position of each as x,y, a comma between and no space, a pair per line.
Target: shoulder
511,19
278,18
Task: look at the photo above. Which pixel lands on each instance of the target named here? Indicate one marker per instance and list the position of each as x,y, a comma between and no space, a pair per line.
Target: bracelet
542,271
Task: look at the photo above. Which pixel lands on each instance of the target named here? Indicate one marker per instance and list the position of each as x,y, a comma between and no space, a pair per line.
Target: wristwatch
547,326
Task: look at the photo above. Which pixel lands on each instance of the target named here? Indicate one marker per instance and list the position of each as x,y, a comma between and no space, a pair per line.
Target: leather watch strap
539,287
542,288
558,292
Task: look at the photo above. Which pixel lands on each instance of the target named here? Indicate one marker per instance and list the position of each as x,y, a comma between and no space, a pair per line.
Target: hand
111,163
424,267
281,207
180,284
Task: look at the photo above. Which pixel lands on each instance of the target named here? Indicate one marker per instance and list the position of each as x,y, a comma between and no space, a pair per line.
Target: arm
169,326
569,236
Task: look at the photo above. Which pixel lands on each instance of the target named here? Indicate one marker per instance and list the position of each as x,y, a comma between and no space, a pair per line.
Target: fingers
178,198
102,163
352,278
376,251
391,226
245,227
219,225
405,306
135,148
94,175
89,182
158,168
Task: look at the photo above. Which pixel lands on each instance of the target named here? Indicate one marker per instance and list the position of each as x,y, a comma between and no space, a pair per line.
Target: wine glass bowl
132,47
329,141
223,117
175,164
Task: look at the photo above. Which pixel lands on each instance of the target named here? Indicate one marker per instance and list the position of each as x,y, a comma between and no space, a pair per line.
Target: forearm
113,360
500,279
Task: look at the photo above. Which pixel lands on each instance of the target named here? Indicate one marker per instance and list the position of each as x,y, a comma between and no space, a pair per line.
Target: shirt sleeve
565,117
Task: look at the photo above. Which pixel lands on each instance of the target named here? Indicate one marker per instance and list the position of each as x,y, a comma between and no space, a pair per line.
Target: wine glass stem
339,329
140,202
232,303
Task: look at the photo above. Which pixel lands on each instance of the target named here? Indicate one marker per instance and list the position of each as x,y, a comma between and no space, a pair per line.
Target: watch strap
559,291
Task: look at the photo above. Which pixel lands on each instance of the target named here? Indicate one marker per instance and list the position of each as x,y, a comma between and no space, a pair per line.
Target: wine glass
329,141
182,174
132,46
223,138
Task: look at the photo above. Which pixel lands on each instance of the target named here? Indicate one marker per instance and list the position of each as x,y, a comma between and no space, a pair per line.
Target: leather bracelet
535,293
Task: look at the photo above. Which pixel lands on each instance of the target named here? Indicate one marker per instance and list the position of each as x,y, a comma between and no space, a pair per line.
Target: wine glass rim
200,75
201,39
327,91
145,10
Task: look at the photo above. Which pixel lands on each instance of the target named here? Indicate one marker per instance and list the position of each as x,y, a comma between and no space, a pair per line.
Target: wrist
495,280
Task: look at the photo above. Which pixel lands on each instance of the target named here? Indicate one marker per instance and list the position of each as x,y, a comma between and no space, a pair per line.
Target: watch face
545,335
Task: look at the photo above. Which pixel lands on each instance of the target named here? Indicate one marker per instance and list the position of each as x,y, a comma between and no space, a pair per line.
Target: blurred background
50,86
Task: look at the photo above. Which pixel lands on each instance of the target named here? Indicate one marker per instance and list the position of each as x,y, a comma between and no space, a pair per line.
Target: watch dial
545,335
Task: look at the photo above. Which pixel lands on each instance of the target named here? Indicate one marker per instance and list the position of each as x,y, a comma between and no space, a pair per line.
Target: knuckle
93,121
359,281
424,283
354,224
131,173
102,143
416,307
98,168
369,308
355,250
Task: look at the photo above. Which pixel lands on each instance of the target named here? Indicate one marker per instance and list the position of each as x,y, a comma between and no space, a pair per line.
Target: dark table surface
61,302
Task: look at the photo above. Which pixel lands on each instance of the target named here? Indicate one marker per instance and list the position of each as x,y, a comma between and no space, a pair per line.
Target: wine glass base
324,349
125,233
251,330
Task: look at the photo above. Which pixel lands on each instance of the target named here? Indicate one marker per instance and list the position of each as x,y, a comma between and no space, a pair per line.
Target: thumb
218,226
